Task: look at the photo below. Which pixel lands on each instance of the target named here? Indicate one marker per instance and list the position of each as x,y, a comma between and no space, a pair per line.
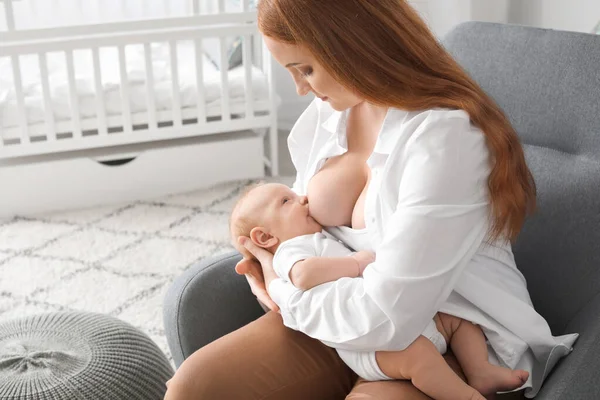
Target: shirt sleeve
440,220
289,253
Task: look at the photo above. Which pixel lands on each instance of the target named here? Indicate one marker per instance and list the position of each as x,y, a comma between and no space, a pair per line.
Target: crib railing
102,130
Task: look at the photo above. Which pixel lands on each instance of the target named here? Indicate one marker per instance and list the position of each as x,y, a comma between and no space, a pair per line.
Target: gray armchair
548,83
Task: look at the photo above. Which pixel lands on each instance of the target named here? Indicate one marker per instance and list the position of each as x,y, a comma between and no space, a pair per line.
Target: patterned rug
117,260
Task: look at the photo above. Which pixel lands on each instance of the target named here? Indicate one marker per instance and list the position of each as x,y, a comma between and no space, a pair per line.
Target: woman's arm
439,222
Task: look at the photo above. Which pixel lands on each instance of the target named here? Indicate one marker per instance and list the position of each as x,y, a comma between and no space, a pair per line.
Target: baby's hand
364,258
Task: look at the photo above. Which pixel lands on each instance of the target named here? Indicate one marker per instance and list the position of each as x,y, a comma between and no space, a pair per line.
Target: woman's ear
262,238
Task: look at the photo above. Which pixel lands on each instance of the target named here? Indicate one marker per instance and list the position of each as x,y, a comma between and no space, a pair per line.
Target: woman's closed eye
306,72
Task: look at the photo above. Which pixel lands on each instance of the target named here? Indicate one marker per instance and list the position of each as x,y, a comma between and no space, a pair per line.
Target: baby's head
269,214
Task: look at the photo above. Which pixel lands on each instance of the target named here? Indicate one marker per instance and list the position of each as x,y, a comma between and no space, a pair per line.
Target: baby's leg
468,344
423,364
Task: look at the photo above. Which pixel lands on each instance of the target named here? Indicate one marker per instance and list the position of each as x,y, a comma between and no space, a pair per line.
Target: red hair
383,51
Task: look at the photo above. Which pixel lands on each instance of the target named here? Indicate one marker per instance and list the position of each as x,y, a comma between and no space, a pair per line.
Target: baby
278,220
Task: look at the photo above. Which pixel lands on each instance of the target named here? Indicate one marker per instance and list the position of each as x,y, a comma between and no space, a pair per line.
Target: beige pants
264,360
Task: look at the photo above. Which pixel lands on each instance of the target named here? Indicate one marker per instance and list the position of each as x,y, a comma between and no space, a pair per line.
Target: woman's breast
358,213
336,190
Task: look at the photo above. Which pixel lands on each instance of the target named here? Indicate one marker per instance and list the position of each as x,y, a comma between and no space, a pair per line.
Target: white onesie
322,244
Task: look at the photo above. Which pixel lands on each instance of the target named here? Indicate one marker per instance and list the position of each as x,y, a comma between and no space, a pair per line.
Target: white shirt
319,244
427,214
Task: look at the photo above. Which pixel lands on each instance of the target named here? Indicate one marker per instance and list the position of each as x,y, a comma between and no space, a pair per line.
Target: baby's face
284,213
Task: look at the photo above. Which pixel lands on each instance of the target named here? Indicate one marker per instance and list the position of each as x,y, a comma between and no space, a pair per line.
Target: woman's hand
256,272
364,258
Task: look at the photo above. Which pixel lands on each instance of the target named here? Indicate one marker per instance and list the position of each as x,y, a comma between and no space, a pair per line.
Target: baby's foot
492,379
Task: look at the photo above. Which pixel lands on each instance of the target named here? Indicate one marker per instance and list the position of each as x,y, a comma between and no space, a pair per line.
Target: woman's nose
302,87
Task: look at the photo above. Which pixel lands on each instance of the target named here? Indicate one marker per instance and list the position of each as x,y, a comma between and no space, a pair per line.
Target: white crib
117,105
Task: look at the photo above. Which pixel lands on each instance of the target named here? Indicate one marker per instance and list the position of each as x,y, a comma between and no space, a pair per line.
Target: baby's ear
262,238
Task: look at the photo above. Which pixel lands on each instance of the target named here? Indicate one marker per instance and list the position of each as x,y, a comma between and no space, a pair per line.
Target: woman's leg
385,390
263,360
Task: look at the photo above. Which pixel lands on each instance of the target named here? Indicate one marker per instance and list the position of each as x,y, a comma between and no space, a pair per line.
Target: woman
441,189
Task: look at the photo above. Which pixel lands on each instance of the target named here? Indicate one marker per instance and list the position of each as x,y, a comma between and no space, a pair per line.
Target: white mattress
111,86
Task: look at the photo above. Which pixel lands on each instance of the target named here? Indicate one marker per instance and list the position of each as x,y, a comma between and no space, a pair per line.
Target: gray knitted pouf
79,356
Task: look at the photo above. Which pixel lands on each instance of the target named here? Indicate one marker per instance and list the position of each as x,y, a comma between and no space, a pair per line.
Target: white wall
572,15
446,14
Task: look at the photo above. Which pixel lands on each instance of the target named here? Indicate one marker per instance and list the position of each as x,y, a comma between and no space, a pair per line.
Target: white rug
117,260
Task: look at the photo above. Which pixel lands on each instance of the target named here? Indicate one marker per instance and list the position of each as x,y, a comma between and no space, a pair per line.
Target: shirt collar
388,135
336,124
390,132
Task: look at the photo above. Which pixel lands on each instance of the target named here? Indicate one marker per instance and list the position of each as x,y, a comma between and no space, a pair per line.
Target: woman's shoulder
424,120
435,114
440,148
427,129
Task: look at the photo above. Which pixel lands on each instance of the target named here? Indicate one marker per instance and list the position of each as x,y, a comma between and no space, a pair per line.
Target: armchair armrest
577,376
206,302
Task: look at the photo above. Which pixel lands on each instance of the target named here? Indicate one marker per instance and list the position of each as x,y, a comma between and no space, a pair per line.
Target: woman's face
310,76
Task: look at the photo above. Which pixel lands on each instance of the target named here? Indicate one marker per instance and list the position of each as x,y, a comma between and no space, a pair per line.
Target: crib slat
73,99
201,101
266,58
100,107
273,133
48,109
221,6
225,114
125,105
247,63
152,124
245,5
176,103
10,15
257,51
16,67
195,7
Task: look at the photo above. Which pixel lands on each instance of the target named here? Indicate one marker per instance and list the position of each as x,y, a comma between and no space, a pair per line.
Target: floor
67,260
